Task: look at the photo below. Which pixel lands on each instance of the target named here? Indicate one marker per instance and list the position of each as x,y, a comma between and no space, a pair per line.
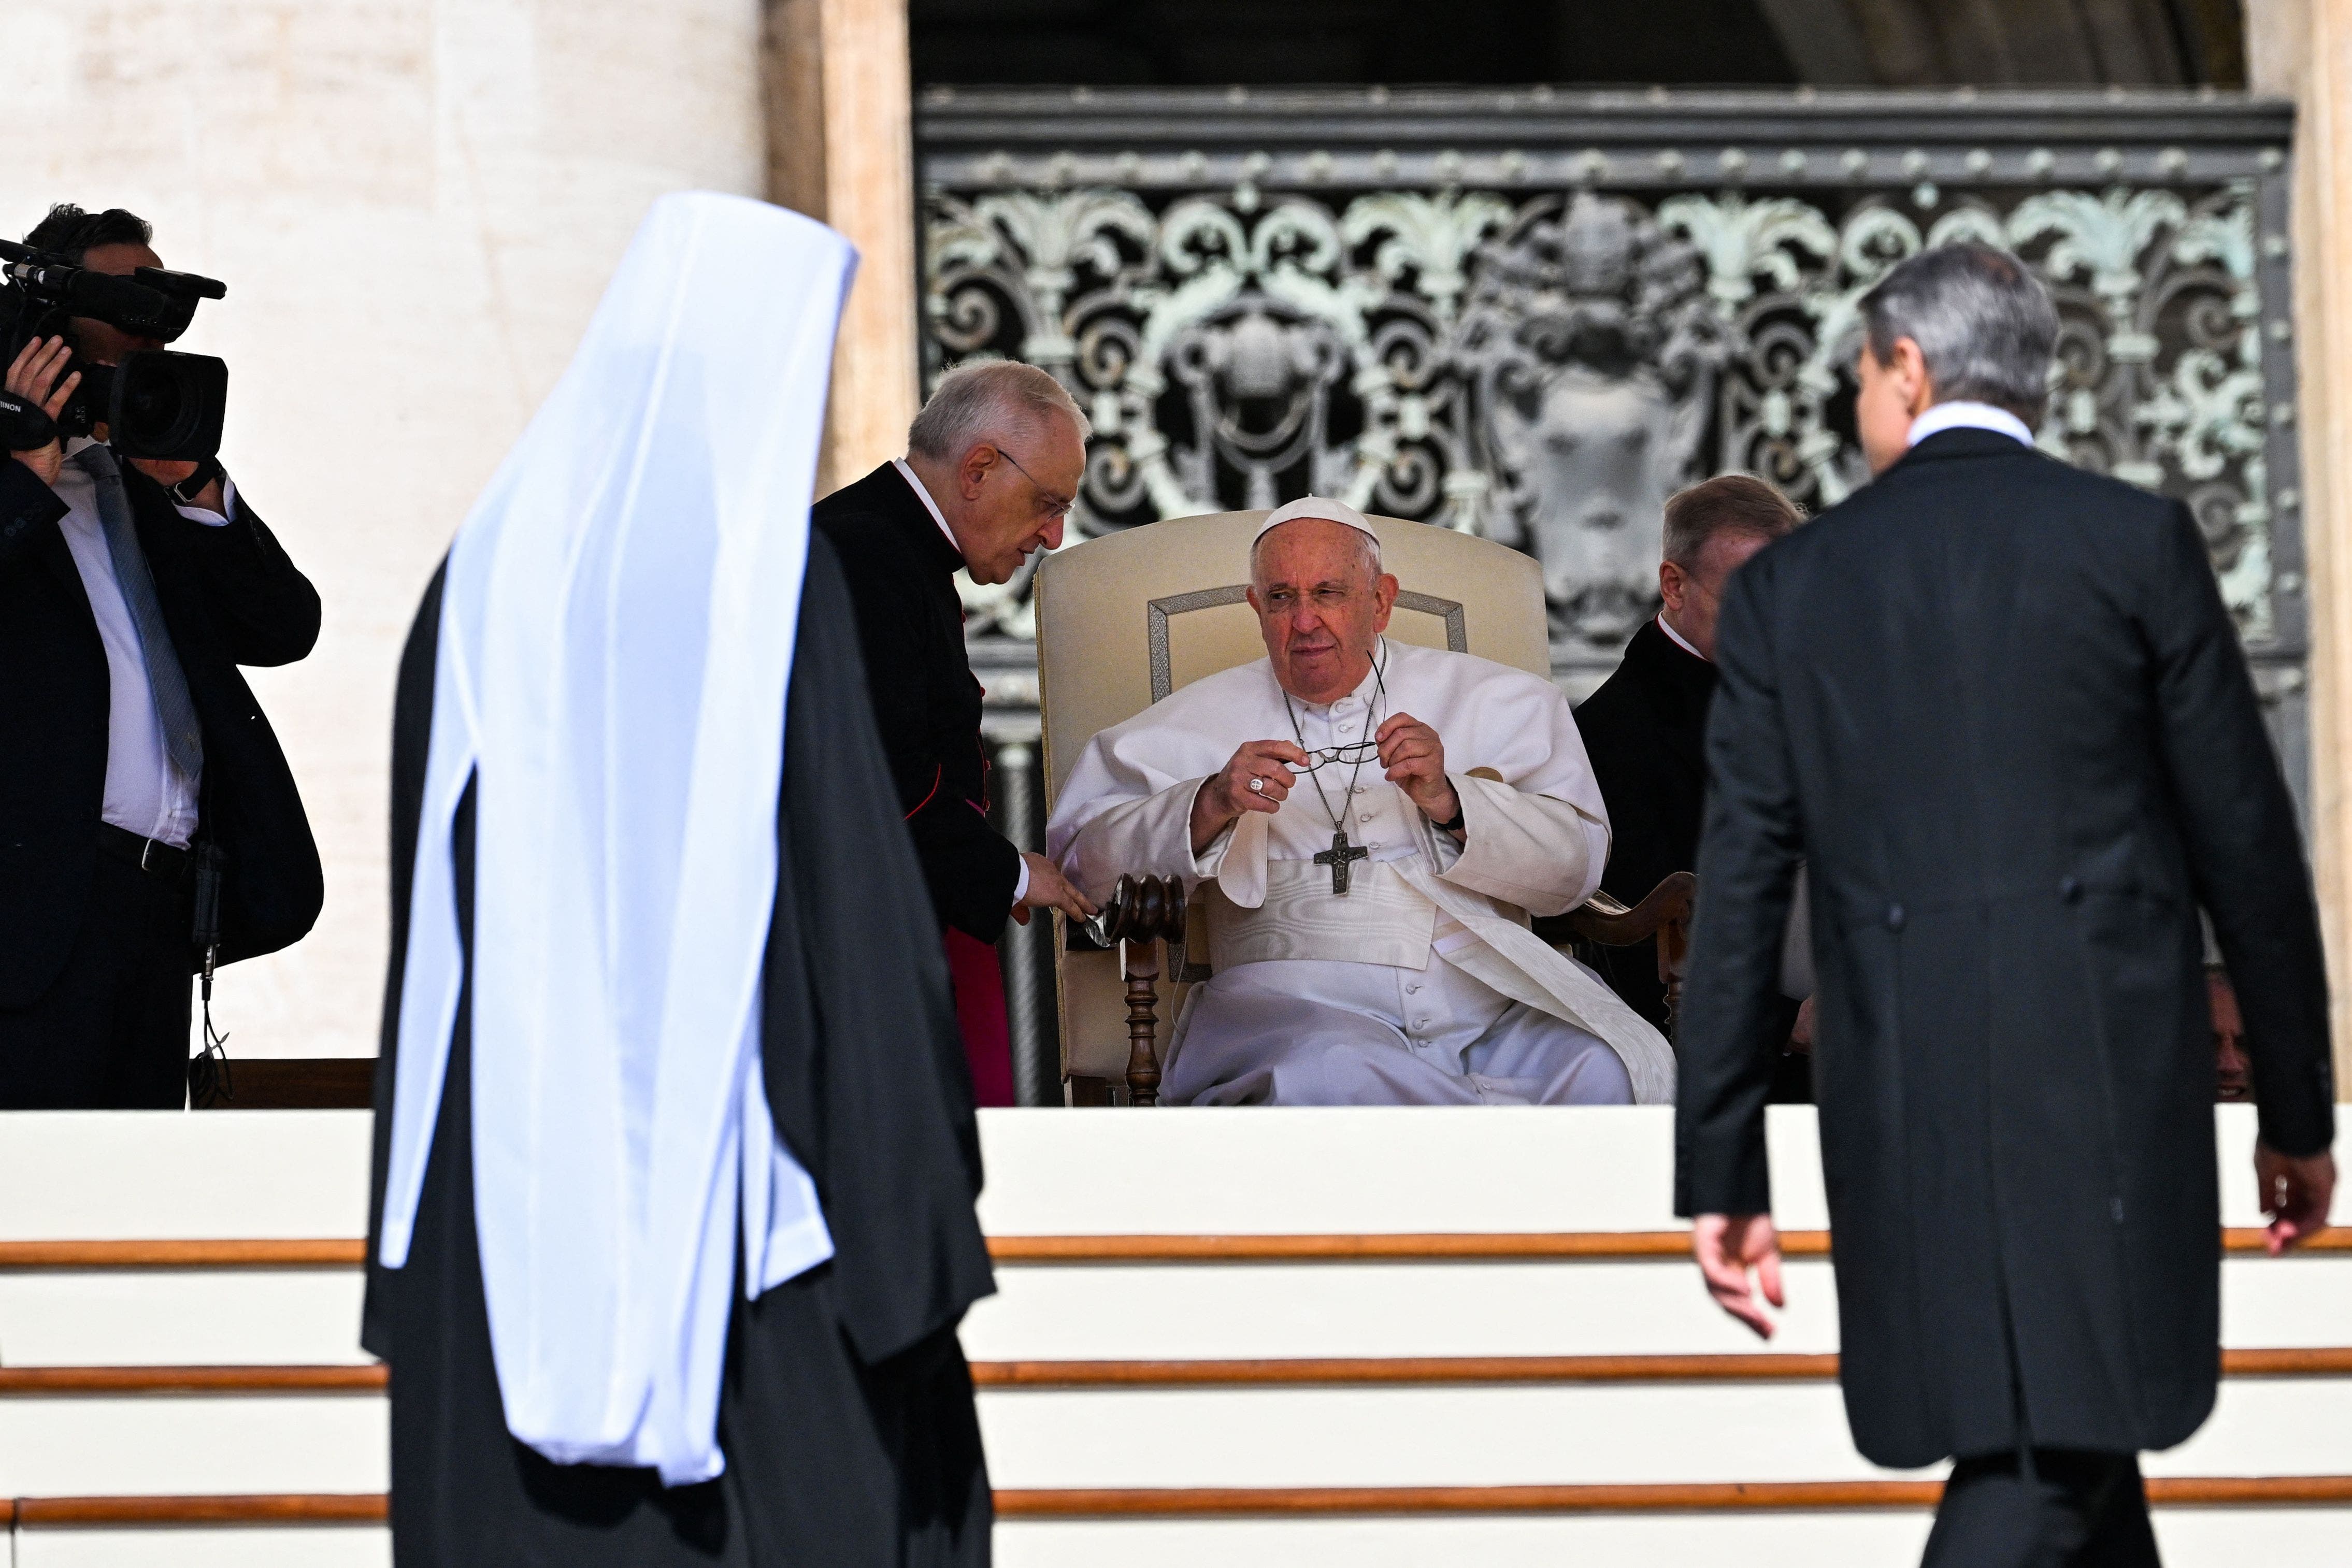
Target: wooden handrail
26,1380
1402,1247
2326,1361
260,1508
1368,1371
307,1252
1671,1497
1230,1502
1358,1371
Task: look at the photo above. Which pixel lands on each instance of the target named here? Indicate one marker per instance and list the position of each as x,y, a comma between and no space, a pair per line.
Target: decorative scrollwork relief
1544,368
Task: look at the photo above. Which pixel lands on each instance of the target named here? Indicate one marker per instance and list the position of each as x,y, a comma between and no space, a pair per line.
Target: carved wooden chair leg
1139,962
1673,944
1141,913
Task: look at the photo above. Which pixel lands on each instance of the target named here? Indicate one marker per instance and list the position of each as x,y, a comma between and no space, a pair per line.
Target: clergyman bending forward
2015,777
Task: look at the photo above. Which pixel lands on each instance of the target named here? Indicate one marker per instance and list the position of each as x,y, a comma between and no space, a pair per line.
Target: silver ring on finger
1257,785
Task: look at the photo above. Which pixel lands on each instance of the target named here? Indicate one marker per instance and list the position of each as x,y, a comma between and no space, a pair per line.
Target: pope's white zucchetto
1330,511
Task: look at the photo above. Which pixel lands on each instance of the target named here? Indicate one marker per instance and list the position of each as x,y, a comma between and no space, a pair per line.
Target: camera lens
166,404
152,406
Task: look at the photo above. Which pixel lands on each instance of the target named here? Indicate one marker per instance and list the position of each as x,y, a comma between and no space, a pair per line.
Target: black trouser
2048,1508
112,1031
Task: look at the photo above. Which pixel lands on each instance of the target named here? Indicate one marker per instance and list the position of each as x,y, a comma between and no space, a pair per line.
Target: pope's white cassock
1420,984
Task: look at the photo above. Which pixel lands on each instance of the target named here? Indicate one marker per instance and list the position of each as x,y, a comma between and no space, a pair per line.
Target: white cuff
1021,888
212,519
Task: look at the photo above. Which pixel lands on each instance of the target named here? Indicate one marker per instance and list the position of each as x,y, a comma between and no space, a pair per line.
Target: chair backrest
1125,620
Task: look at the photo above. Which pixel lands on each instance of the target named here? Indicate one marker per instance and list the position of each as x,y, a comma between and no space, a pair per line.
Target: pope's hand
1257,779
1415,759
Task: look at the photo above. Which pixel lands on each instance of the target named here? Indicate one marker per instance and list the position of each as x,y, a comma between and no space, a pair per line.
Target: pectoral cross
1338,856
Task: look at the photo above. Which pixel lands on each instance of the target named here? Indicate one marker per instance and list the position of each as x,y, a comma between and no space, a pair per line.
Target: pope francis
1374,823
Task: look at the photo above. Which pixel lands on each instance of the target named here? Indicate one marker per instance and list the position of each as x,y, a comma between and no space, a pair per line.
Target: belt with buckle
152,856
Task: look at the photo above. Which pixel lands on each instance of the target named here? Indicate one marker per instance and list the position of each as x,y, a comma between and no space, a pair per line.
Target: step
1378,1422
2191,1535
105,1444
115,1306
1495,1435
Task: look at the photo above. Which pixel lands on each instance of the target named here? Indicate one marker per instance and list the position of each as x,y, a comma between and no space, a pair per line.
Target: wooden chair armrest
1604,920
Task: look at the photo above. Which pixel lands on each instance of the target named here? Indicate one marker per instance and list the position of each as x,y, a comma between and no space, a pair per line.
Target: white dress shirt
1964,415
145,793
1020,888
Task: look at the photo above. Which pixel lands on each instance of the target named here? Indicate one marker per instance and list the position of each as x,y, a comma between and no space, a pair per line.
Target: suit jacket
902,573
1998,706
229,597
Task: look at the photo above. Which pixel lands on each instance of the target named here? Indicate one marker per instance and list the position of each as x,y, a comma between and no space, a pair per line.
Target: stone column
841,148
2302,49
1036,1057
414,207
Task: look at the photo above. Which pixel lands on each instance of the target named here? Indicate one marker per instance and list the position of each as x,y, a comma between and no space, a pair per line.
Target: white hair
976,403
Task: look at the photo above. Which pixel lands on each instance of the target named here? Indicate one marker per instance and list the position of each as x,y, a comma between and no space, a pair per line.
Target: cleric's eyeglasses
1057,505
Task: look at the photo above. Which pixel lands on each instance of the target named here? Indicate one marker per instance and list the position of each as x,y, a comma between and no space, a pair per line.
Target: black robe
901,574
1997,707
1645,732
847,1413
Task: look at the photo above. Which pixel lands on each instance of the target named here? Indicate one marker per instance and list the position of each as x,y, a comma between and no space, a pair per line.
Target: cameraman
128,740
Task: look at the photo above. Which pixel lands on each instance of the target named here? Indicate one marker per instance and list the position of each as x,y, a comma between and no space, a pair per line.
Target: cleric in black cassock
845,1431
1997,707
1645,729
992,466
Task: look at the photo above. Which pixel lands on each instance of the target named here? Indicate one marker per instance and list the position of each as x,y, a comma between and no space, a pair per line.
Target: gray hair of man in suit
1960,323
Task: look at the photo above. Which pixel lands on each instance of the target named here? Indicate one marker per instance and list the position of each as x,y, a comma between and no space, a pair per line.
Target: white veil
616,643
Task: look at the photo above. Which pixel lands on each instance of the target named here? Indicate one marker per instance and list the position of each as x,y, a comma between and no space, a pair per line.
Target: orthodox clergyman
676,1158
1375,822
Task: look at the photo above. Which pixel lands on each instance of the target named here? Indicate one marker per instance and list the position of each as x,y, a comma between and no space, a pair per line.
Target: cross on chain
1338,856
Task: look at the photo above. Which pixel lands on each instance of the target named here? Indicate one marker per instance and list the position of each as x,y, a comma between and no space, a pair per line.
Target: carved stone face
1598,457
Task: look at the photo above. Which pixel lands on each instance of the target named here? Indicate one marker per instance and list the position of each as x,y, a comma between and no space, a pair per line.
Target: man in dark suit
1997,706
993,464
128,740
1645,727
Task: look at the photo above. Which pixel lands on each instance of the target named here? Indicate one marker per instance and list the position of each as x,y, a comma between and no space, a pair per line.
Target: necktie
183,739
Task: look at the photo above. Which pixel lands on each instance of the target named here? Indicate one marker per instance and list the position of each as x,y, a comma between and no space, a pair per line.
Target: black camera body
156,404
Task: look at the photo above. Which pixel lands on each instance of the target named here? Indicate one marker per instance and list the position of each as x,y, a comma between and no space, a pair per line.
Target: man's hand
1801,1035
1049,889
211,498
39,375
1227,794
1415,759
1726,1246
2295,1193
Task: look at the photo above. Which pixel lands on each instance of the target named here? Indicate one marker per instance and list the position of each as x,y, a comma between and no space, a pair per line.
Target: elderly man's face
1011,496
1319,607
1694,599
